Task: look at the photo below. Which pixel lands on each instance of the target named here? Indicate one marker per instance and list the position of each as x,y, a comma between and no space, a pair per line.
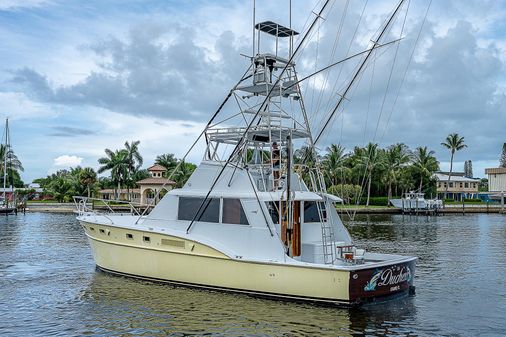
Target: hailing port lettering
388,277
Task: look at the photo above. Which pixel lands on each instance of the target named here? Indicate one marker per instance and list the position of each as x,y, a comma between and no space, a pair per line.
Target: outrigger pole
267,97
243,78
355,76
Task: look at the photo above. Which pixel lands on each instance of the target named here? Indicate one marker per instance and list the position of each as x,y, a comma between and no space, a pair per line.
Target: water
49,287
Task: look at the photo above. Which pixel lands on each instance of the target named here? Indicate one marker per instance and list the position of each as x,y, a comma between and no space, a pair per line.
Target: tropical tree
117,163
397,156
88,178
347,192
425,164
454,143
168,161
369,162
61,187
306,155
13,165
183,172
134,162
334,163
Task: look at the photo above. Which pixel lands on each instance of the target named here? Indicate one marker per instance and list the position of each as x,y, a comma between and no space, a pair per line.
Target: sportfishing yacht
251,218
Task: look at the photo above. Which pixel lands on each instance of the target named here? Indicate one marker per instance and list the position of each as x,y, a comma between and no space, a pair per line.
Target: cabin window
273,209
146,239
451,184
466,185
188,207
233,213
130,236
311,211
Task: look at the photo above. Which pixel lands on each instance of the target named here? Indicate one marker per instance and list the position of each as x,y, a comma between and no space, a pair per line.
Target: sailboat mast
5,156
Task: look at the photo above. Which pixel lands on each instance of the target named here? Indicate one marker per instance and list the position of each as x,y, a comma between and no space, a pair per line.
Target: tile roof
155,181
157,167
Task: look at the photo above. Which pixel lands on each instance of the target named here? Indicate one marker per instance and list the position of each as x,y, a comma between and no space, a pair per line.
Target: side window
272,207
311,211
233,213
188,207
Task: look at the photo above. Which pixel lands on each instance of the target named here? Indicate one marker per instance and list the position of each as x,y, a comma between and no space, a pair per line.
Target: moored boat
250,219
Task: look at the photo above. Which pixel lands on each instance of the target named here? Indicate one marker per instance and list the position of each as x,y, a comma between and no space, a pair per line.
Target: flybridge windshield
188,207
232,213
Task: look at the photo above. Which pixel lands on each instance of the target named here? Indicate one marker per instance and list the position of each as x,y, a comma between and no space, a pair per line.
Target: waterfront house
148,188
460,187
496,179
124,194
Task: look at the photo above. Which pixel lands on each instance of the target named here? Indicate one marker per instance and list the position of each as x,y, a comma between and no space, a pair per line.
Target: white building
496,179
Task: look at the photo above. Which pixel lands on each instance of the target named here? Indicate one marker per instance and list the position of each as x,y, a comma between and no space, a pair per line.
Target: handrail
81,204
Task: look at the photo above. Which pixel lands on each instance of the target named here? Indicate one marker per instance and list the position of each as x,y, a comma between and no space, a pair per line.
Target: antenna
290,42
254,18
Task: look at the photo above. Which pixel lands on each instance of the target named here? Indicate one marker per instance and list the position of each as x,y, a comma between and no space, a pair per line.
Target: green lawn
44,202
359,206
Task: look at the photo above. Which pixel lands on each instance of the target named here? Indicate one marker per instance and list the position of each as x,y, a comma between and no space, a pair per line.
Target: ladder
328,238
275,123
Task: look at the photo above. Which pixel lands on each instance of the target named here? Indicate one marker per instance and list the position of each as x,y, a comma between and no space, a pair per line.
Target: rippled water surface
49,286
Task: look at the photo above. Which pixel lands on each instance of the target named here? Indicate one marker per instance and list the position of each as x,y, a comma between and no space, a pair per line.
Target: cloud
67,161
140,69
18,4
17,105
158,71
67,131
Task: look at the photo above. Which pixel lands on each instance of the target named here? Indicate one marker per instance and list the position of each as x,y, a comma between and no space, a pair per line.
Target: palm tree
182,174
88,177
117,163
167,160
306,155
13,164
370,161
453,143
396,157
134,161
334,163
425,164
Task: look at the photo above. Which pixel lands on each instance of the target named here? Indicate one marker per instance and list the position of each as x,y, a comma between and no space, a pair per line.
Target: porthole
102,231
129,236
92,229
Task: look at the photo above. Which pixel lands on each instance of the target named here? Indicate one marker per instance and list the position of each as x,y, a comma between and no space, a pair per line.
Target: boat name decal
388,277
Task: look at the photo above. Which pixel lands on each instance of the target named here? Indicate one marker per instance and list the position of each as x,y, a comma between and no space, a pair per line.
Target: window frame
303,211
199,201
242,210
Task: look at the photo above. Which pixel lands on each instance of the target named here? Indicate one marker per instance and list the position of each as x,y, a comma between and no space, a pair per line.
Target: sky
77,77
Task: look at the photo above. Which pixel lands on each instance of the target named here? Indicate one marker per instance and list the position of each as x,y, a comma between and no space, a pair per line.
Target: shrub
347,192
375,201
472,200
